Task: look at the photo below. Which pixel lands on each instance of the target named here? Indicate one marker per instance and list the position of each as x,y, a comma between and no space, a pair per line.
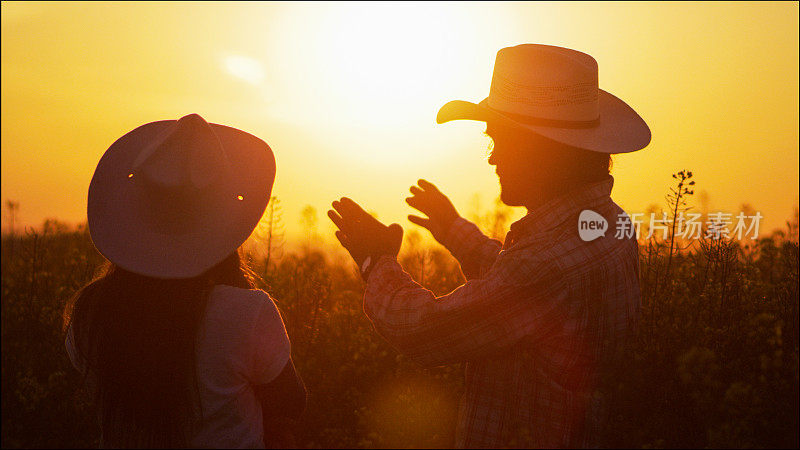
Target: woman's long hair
137,336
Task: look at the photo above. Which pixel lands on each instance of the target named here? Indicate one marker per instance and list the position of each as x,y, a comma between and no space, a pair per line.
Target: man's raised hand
430,201
361,234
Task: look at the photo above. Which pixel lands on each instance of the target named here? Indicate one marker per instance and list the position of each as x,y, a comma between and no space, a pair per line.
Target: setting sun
388,63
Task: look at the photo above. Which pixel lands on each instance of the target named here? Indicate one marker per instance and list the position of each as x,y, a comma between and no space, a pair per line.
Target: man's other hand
430,201
363,235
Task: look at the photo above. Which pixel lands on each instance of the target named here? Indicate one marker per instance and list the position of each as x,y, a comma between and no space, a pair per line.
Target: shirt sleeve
270,348
518,298
474,251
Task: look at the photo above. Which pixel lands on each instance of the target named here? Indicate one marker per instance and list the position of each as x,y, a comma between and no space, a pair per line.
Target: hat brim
619,128
223,222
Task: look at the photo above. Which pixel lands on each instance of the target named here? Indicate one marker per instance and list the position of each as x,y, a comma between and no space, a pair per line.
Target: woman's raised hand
441,213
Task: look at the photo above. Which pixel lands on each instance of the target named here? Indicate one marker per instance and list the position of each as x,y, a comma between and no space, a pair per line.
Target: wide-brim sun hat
173,198
554,92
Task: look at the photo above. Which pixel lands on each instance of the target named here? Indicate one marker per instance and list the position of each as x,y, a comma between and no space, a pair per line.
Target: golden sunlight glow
244,68
346,95
388,58
381,72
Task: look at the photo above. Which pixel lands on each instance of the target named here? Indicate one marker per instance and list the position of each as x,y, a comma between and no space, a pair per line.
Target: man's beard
510,197
521,194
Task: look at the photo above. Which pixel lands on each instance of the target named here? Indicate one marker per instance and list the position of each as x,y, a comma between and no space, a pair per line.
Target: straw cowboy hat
553,91
173,198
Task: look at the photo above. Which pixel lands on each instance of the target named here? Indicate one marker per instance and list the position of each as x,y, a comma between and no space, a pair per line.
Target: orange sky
346,94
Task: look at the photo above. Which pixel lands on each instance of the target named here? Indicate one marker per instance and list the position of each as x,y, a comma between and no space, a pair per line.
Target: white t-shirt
241,343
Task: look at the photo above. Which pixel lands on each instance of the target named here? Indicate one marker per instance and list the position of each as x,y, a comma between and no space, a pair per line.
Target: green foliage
715,359
41,405
714,362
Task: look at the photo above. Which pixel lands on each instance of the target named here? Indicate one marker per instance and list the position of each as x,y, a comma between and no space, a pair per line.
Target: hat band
553,123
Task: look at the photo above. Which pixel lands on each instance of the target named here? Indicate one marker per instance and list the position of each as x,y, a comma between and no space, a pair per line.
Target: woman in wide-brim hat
175,343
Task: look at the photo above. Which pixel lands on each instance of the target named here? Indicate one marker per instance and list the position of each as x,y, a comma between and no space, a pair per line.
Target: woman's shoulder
234,300
242,327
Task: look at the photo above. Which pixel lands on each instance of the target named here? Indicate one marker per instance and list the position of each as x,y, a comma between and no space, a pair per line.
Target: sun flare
244,68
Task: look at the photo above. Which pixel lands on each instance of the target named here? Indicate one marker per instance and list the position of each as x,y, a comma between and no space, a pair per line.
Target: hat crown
175,172
186,156
545,82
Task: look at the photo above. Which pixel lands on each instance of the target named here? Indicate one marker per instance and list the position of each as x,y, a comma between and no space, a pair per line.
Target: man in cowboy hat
544,312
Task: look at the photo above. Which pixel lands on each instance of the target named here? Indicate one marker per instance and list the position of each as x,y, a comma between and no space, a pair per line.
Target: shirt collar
559,209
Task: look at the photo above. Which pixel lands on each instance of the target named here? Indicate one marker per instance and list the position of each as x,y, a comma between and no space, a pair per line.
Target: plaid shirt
535,322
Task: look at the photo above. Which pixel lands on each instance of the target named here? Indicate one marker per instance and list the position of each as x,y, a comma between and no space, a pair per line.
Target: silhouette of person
176,345
543,313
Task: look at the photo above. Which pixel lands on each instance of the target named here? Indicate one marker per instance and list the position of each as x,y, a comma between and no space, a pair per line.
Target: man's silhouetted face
514,155
533,169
